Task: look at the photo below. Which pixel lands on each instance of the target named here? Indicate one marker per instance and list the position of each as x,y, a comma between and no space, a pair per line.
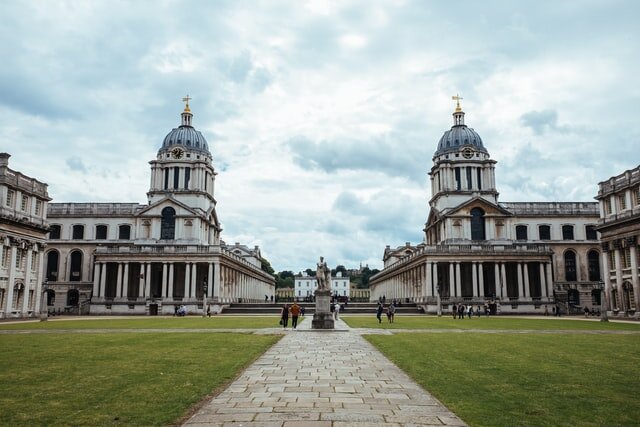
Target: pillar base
323,317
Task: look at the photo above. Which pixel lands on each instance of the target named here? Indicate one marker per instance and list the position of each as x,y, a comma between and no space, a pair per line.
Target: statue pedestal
323,317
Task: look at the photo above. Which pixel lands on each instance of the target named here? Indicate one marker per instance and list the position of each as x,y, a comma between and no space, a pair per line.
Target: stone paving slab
323,379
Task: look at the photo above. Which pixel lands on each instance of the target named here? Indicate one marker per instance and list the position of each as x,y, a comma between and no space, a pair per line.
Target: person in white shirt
337,310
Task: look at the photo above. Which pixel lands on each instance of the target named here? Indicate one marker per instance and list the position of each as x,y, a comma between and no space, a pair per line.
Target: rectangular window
626,258
187,178
5,256
25,202
567,232
166,179
458,183
521,232
38,207
638,196
468,178
9,201
612,260
176,177
545,232
19,259
124,232
622,202
591,232
78,232
101,232
607,206
54,232
479,171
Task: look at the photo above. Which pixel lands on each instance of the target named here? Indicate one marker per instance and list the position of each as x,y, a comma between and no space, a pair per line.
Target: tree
284,279
266,266
310,272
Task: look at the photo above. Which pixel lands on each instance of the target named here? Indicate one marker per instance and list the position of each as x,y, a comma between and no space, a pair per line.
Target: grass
117,378
491,323
216,322
525,379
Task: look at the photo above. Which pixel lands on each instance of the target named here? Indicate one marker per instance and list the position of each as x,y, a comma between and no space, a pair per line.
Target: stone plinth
323,317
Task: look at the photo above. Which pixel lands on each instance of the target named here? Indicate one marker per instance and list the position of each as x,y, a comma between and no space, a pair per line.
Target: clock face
177,153
467,153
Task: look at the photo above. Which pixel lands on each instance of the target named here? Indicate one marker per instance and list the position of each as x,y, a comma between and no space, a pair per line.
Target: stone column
103,280
458,281
193,279
141,282
543,282
435,279
187,280
607,281
12,279
171,280
210,281
618,261
525,273
147,281
503,280
452,280
119,281
634,270
125,281
549,278
496,279
474,278
480,279
164,280
27,283
96,279
520,282
427,289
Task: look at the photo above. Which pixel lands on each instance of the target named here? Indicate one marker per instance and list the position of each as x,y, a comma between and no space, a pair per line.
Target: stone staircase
269,309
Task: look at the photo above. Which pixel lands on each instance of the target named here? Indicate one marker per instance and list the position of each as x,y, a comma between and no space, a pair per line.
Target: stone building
128,258
516,257
305,286
23,229
619,227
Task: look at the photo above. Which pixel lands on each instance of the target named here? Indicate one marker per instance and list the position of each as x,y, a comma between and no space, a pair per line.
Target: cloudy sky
322,116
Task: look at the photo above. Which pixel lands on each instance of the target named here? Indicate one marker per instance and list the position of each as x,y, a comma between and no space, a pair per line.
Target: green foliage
524,379
117,378
284,279
310,272
266,266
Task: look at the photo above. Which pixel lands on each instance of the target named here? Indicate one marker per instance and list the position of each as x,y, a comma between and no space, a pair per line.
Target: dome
187,137
458,137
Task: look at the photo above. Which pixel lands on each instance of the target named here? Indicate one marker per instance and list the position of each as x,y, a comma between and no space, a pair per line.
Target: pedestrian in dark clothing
295,312
454,310
284,316
461,311
379,311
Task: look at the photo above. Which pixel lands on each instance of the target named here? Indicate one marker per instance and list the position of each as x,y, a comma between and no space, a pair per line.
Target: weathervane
457,98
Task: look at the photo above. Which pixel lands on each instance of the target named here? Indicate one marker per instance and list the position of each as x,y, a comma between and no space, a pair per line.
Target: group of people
460,311
390,310
293,310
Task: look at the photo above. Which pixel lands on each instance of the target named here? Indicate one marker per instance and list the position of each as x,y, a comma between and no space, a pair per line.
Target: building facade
23,229
128,258
518,257
619,227
305,286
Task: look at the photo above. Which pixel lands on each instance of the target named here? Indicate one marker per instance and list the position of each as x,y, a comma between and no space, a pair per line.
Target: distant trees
285,279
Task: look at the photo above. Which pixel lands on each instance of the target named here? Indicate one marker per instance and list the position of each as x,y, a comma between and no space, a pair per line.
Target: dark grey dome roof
187,137
458,137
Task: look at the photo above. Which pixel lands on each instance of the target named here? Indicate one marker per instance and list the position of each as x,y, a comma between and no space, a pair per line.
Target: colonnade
420,282
620,259
23,290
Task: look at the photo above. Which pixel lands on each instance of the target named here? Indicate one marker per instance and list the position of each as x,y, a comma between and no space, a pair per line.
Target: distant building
305,286
129,258
476,250
23,229
619,228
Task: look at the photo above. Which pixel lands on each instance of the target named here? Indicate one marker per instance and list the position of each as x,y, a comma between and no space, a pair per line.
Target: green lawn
492,323
216,322
525,379
116,378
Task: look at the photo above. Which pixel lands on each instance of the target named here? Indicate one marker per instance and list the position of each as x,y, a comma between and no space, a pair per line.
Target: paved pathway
331,379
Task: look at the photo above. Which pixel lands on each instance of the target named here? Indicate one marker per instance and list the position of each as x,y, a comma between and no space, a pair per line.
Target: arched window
73,297
52,266
76,266
124,232
477,224
168,224
570,274
521,232
594,265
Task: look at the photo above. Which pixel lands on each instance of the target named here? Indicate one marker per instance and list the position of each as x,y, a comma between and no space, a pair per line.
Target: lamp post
44,311
204,297
604,317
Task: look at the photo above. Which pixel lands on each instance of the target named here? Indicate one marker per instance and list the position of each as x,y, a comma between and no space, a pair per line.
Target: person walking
454,310
379,311
461,311
470,311
295,312
337,310
284,316
392,312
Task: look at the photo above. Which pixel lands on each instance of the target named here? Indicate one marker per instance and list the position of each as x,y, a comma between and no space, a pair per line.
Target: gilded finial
457,98
186,100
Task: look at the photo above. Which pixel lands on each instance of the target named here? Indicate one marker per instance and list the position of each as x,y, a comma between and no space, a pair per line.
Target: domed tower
462,168
183,170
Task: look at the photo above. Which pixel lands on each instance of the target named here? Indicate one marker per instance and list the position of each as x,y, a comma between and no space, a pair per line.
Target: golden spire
457,98
186,100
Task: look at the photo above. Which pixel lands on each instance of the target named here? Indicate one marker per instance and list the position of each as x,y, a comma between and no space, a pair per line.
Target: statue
323,275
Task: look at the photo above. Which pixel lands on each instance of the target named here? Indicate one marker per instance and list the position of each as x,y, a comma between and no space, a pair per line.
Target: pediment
155,209
490,209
